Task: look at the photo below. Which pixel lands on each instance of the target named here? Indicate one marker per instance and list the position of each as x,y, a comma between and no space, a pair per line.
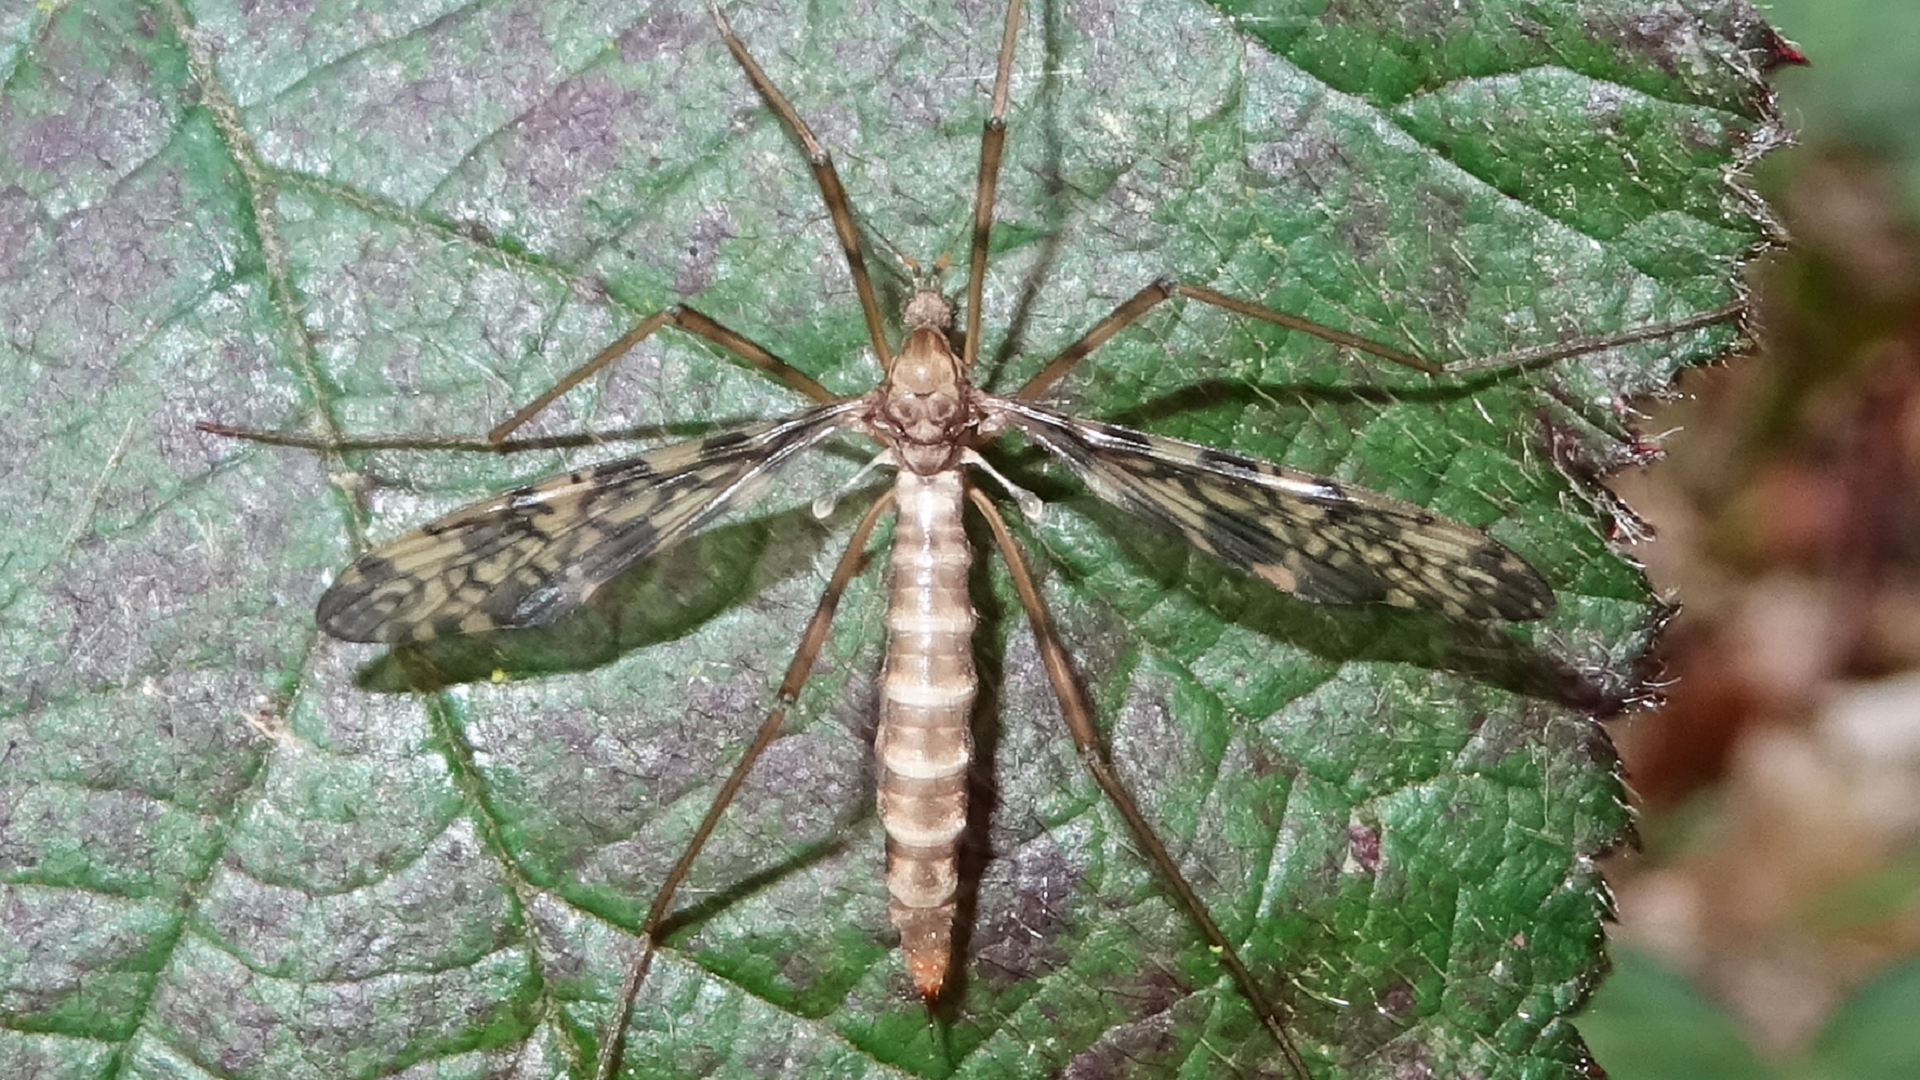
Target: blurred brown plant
1780,786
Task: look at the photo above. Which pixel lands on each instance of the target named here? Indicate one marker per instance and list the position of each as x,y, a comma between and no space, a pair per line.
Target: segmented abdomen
924,743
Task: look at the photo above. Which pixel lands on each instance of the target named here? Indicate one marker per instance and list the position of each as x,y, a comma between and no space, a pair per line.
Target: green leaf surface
230,846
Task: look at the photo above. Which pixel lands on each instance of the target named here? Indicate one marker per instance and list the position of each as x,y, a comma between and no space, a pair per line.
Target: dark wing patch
526,556
1309,536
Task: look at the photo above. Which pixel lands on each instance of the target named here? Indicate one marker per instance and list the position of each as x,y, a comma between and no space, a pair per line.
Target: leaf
1865,1038
1649,1022
229,845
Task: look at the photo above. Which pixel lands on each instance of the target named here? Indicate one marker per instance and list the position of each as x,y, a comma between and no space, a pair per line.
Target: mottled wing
526,556
1307,535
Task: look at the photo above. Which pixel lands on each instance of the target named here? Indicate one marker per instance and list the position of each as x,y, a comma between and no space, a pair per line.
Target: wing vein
526,556
1306,535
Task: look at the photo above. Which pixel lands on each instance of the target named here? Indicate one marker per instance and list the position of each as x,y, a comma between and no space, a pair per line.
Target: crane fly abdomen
924,743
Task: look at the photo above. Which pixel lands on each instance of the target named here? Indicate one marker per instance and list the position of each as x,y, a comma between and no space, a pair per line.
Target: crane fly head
928,310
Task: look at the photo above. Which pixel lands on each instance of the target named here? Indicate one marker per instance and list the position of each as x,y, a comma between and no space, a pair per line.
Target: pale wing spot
1276,575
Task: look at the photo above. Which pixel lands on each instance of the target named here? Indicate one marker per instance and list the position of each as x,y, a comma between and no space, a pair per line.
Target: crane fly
529,555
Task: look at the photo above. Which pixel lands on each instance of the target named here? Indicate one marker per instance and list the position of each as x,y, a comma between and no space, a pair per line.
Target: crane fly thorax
926,409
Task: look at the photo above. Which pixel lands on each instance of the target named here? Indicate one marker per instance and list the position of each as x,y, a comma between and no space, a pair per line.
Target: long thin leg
326,444
993,144
1540,354
824,174
790,686
1146,299
680,315
687,319
1086,739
